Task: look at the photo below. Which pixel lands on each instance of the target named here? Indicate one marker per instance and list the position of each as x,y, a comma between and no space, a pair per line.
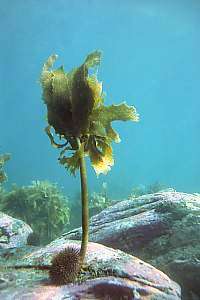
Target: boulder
112,274
13,232
160,228
188,273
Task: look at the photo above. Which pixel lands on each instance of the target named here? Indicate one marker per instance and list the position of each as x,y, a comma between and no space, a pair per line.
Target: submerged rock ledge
123,277
160,228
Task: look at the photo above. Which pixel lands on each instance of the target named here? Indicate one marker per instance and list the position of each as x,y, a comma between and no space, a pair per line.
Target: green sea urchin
65,266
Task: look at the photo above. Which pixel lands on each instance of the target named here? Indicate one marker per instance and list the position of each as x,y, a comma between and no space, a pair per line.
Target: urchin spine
65,266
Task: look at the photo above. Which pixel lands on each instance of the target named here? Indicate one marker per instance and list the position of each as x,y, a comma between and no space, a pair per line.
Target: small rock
13,232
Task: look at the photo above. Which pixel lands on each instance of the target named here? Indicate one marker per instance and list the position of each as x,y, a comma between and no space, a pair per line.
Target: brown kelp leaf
100,154
106,150
96,88
84,94
112,134
46,78
60,107
121,112
72,163
108,114
93,59
82,101
60,118
97,129
49,63
56,94
60,86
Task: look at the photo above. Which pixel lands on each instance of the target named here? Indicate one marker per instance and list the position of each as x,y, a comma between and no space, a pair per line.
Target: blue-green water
150,59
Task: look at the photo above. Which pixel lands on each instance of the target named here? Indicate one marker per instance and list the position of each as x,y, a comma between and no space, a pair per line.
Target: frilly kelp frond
71,163
93,59
75,107
107,114
101,154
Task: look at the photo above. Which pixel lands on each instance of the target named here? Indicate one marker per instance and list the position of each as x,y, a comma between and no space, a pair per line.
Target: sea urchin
65,266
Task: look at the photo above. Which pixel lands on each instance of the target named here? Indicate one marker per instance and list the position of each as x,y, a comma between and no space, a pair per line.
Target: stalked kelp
76,111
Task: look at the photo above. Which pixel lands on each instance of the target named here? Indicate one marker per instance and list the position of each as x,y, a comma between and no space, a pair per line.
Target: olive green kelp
75,105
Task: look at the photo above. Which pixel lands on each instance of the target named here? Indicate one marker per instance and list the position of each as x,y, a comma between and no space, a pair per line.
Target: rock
159,228
13,232
188,272
116,275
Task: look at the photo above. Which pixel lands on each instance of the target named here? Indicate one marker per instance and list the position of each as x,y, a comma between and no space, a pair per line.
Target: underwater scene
100,150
